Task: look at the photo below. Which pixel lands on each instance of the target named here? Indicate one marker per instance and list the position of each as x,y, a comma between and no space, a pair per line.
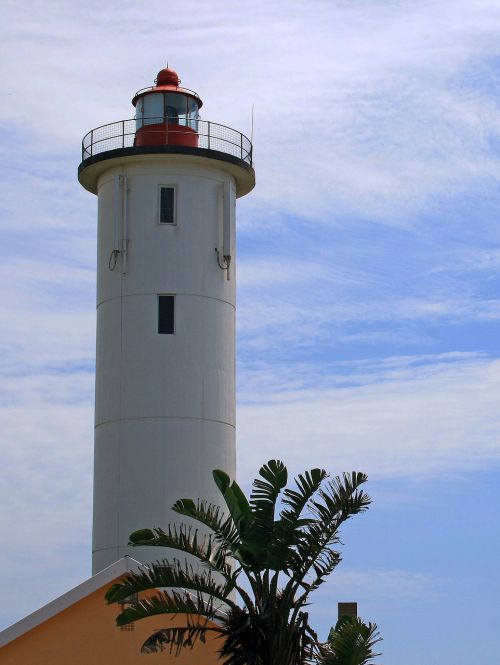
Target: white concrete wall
165,404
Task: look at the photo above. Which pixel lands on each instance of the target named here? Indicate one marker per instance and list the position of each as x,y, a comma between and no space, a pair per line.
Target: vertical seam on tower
124,193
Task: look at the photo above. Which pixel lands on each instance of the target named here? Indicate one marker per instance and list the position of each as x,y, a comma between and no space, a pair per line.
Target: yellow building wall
86,634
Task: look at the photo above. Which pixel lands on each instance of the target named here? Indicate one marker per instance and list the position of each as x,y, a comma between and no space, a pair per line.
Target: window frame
174,307
174,213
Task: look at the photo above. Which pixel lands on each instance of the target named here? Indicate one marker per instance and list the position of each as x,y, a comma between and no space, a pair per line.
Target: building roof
124,565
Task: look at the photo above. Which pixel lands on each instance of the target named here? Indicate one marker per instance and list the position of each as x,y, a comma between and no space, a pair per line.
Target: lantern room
166,114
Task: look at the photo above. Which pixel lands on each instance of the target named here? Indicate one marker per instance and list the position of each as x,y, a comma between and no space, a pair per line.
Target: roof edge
91,168
124,565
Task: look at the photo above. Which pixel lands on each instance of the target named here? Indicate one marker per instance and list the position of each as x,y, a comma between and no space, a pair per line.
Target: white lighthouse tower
166,183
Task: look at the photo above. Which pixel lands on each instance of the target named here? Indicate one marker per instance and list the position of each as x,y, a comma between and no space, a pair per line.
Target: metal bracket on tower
224,257
113,258
225,263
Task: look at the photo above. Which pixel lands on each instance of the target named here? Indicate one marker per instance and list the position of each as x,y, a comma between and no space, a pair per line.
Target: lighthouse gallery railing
211,136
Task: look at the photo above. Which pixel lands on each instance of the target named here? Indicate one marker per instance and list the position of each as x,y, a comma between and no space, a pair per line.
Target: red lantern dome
167,76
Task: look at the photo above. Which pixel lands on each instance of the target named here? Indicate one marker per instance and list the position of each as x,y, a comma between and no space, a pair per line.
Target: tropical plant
351,642
271,551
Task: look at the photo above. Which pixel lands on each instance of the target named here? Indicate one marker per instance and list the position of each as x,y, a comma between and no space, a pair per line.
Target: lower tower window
166,310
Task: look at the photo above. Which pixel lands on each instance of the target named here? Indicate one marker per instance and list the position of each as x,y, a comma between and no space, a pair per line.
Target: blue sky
368,281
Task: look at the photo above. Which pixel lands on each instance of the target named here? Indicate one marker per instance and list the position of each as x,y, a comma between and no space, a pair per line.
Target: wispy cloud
47,315
411,418
396,585
46,484
384,104
267,323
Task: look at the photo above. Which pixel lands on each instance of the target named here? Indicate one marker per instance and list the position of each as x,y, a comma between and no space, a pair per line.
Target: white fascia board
124,565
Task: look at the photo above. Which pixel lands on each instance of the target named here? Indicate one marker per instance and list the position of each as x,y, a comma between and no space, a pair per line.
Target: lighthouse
166,183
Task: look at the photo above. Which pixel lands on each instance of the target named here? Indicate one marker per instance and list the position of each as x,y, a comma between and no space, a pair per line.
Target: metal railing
210,135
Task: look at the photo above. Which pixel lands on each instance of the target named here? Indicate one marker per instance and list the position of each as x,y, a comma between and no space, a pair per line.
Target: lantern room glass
153,109
170,107
192,113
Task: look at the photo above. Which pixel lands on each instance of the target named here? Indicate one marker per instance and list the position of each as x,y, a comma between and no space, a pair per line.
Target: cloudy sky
368,282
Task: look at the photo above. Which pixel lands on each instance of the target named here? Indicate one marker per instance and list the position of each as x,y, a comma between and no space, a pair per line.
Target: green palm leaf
266,489
170,603
296,500
171,575
236,501
352,642
337,503
342,497
265,493
287,529
212,516
177,638
185,539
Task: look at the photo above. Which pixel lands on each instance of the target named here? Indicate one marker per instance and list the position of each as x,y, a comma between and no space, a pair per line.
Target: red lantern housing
166,114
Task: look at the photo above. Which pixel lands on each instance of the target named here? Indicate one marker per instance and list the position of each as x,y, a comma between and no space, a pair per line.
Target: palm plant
351,642
271,559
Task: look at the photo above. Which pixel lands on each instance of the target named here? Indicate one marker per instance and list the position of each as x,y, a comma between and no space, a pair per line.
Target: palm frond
315,538
263,498
336,503
286,531
352,642
213,517
177,638
170,575
308,484
323,566
236,501
342,497
168,602
274,476
202,511
185,539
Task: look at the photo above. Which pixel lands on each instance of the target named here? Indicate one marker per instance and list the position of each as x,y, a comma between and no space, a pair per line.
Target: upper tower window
167,205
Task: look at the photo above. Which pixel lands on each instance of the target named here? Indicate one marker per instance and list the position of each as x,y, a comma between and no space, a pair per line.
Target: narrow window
167,205
166,315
